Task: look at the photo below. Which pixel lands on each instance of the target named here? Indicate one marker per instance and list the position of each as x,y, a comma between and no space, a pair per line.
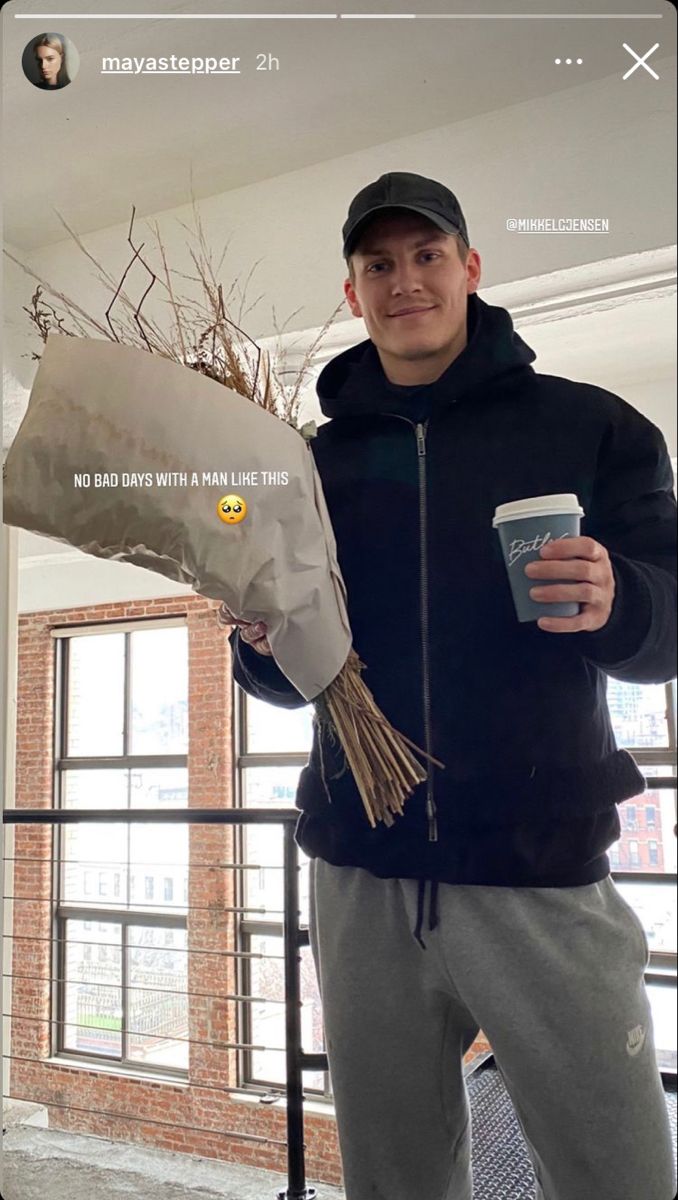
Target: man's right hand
253,634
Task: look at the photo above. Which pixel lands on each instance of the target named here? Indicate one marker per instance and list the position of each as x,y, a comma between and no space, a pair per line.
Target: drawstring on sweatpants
432,911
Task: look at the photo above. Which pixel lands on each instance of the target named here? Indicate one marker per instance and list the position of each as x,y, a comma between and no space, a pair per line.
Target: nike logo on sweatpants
635,1041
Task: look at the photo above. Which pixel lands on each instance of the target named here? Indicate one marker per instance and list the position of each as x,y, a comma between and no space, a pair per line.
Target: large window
122,742
273,745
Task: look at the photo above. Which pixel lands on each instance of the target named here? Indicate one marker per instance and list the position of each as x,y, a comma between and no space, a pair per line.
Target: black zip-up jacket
518,715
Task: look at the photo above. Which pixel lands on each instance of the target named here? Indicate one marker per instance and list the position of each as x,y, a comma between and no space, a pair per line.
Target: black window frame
62,910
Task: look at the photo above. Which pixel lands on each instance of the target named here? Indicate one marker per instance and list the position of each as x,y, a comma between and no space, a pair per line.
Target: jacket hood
354,383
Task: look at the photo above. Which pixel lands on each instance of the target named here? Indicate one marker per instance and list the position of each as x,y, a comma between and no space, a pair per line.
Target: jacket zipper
420,431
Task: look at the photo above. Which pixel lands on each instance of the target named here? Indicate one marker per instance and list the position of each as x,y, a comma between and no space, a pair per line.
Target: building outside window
122,742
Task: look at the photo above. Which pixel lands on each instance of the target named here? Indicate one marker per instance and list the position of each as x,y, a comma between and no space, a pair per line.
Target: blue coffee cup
524,526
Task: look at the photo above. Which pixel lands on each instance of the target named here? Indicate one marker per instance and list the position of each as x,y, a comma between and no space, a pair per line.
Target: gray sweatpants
554,978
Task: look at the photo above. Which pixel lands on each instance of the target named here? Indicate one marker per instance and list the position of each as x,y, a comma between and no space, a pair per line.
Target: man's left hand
588,565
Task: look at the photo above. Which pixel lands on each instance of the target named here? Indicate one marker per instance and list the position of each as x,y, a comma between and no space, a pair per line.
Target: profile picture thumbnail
50,61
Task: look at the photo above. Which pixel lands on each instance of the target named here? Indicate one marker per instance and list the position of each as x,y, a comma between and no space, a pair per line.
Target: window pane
270,729
159,853
655,904
157,1016
159,675
264,888
647,841
268,1020
96,683
270,787
92,854
159,787
96,789
96,857
93,992
159,867
639,714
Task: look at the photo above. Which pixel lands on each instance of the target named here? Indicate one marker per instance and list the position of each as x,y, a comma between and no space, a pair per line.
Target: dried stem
384,768
205,337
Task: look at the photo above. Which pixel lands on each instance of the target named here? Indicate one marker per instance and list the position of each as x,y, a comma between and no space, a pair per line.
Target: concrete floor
46,1163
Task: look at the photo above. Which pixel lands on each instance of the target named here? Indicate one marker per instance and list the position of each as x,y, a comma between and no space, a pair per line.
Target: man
435,420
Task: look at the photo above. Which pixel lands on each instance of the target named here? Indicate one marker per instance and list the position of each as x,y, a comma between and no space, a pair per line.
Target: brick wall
115,1106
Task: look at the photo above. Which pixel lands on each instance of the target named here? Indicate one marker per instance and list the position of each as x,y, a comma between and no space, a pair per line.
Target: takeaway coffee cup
524,526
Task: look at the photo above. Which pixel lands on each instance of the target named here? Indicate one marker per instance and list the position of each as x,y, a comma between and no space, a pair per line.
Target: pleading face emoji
232,510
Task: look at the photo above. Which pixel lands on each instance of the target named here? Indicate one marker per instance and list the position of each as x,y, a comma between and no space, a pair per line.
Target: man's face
49,61
410,287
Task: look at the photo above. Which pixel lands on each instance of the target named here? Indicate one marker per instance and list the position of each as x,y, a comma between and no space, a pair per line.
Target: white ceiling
342,86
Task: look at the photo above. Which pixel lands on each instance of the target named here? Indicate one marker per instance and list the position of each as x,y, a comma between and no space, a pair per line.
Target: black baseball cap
401,189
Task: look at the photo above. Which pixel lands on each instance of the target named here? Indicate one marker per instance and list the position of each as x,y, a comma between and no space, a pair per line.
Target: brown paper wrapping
102,408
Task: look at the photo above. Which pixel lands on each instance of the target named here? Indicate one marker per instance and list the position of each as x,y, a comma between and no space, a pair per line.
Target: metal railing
660,970
295,938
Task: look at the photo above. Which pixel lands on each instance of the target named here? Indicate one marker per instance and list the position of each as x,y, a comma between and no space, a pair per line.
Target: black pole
296,1169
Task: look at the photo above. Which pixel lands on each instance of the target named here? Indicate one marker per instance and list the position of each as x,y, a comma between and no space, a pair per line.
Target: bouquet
136,458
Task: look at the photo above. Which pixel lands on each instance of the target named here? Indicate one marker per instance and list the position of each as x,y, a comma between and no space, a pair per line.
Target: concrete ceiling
343,85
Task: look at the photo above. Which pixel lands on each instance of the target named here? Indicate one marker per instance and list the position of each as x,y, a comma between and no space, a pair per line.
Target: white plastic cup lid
560,504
